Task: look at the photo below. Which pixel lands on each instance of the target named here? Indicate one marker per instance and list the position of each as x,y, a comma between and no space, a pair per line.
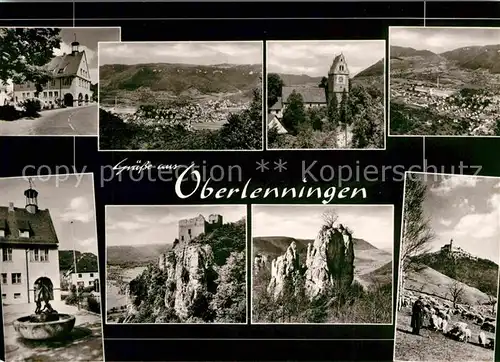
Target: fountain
46,323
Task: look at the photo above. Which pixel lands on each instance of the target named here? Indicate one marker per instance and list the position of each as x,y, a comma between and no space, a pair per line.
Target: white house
29,251
70,84
84,279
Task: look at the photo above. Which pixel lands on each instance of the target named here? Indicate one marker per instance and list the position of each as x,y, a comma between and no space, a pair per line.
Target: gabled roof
276,106
39,225
309,94
335,62
65,65
274,122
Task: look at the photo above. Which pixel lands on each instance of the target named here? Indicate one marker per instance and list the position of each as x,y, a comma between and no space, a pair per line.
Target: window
91,282
81,284
182,237
24,95
56,94
7,254
24,233
79,275
28,95
16,278
17,295
53,83
44,254
341,67
35,255
341,79
2,233
91,275
189,231
4,278
50,94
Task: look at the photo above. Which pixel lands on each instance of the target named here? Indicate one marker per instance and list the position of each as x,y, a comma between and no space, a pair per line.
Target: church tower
338,78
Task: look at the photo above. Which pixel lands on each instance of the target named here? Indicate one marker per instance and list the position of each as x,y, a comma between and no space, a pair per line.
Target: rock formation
329,264
285,268
188,268
260,262
329,261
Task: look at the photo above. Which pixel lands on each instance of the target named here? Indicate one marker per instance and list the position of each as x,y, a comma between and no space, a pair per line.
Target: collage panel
316,264
48,80
444,81
180,96
326,95
174,264
51,300
448,278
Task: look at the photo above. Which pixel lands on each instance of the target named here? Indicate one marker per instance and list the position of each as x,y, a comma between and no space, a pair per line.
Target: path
71,121
84,343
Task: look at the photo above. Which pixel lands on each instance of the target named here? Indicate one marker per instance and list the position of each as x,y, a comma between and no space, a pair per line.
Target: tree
274,87
344,114
295,113
333,111
417,233
456,291
324,84
25,51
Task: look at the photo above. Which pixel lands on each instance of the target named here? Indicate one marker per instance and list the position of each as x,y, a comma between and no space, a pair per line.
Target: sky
199,53
373,224
440,40
147,225
467,210
67,197
314,58
88,39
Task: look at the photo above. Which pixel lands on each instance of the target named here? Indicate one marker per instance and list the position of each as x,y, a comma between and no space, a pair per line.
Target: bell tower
31,199
75,47
338,78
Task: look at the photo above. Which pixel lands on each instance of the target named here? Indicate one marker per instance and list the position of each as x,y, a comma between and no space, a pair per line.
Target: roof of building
39,225
276,106
335,62
274,122
65,65
309,94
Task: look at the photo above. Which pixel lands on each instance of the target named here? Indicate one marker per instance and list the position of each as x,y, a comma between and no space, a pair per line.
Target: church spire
75,46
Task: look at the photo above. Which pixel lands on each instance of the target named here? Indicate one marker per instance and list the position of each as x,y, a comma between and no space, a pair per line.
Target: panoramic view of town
48,80
444,81
180,95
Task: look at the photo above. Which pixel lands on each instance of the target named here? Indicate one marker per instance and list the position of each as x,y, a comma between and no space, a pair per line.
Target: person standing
417,316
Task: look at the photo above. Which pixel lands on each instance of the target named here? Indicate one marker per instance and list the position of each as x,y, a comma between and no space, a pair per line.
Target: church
70,84
338,82
29,248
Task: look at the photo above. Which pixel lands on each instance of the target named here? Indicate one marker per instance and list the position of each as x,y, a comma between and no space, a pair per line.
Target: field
438,347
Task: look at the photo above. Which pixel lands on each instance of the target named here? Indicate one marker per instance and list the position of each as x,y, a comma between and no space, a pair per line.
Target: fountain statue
46,323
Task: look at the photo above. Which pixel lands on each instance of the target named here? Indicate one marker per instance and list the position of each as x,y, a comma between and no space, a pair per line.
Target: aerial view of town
444,81
181,95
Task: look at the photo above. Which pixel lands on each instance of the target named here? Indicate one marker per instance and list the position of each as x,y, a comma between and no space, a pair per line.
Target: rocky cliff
329,264
199,281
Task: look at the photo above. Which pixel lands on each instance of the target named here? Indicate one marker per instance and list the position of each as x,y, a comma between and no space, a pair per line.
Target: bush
9,113
31,107
93,305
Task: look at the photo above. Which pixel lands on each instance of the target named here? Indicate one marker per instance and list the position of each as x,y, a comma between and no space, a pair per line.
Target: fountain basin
28,329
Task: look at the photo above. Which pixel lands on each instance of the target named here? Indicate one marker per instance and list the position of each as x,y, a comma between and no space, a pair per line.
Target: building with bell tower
29,251
338,78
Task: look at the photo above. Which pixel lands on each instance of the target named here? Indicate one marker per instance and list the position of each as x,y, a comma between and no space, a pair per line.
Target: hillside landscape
134,255
449,93
85,261
131,84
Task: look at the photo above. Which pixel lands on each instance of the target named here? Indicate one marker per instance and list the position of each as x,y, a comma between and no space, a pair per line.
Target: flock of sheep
439,316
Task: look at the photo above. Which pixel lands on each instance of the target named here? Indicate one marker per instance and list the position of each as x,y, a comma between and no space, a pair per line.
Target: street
71,121
83,344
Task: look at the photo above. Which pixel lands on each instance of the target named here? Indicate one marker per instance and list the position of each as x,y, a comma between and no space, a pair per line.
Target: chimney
11,207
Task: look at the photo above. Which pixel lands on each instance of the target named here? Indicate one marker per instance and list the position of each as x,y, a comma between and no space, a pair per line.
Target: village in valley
446,89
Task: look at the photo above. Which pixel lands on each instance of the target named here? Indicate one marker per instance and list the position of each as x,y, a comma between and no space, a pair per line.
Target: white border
384,97
183,42
24,178
389,77
324,207
399,261
73,28
166,207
